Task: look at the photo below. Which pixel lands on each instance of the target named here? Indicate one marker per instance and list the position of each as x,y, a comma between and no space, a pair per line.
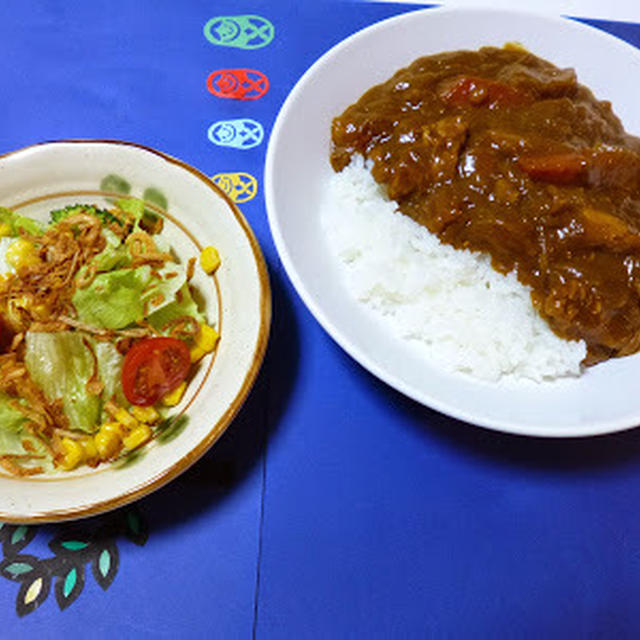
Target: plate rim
502,425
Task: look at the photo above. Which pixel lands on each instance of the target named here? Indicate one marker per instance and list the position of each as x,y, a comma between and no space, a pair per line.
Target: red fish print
240,84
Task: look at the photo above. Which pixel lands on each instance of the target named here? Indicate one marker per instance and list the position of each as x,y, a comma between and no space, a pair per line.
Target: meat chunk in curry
499,151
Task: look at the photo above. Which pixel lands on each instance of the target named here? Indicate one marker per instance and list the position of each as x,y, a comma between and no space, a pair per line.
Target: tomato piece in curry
499,151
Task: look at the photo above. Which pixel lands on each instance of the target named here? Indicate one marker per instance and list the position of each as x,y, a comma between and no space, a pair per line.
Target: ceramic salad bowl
236,300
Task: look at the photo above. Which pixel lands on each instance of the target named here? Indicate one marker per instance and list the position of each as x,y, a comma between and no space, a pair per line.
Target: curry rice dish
500,152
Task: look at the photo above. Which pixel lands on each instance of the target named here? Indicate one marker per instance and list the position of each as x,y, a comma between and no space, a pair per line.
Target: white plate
40,178
606,398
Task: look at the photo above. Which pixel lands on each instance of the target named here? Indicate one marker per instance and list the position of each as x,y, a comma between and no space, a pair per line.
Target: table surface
333,506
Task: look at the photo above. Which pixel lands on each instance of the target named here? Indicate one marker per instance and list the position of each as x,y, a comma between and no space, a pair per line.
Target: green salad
99,334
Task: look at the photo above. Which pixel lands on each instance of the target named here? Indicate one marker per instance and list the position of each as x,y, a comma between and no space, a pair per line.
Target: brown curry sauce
499,151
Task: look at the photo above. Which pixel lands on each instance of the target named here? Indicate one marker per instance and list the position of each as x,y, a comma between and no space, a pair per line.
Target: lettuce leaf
118,298
114,299
13,434
185,307
133,207
60,364
162,291
110,371
17,222
114,255
11,423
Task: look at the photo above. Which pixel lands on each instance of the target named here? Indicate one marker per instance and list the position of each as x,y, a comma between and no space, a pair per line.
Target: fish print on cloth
240,84
74,547
242,32
239,186
241,133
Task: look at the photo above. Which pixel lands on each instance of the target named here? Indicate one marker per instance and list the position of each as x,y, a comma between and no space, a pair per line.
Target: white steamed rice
451,303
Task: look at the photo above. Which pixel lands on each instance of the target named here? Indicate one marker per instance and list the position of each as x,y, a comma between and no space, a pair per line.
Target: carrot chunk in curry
499,151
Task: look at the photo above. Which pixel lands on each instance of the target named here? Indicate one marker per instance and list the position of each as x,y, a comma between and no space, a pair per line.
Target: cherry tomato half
152,368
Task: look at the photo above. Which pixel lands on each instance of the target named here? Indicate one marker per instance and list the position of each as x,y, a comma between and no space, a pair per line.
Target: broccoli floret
105,217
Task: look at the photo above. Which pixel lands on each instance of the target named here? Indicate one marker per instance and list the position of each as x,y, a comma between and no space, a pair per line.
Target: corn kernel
207,338
113,427
197,353
209,259
5,230
21,253
139,436
172,398
125,418
73,454
107,443
90,449
145,414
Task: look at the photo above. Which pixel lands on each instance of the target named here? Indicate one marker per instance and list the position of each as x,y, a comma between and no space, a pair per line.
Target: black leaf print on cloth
74,547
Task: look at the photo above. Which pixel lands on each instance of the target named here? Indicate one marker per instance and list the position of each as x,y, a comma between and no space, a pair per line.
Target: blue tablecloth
333,507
